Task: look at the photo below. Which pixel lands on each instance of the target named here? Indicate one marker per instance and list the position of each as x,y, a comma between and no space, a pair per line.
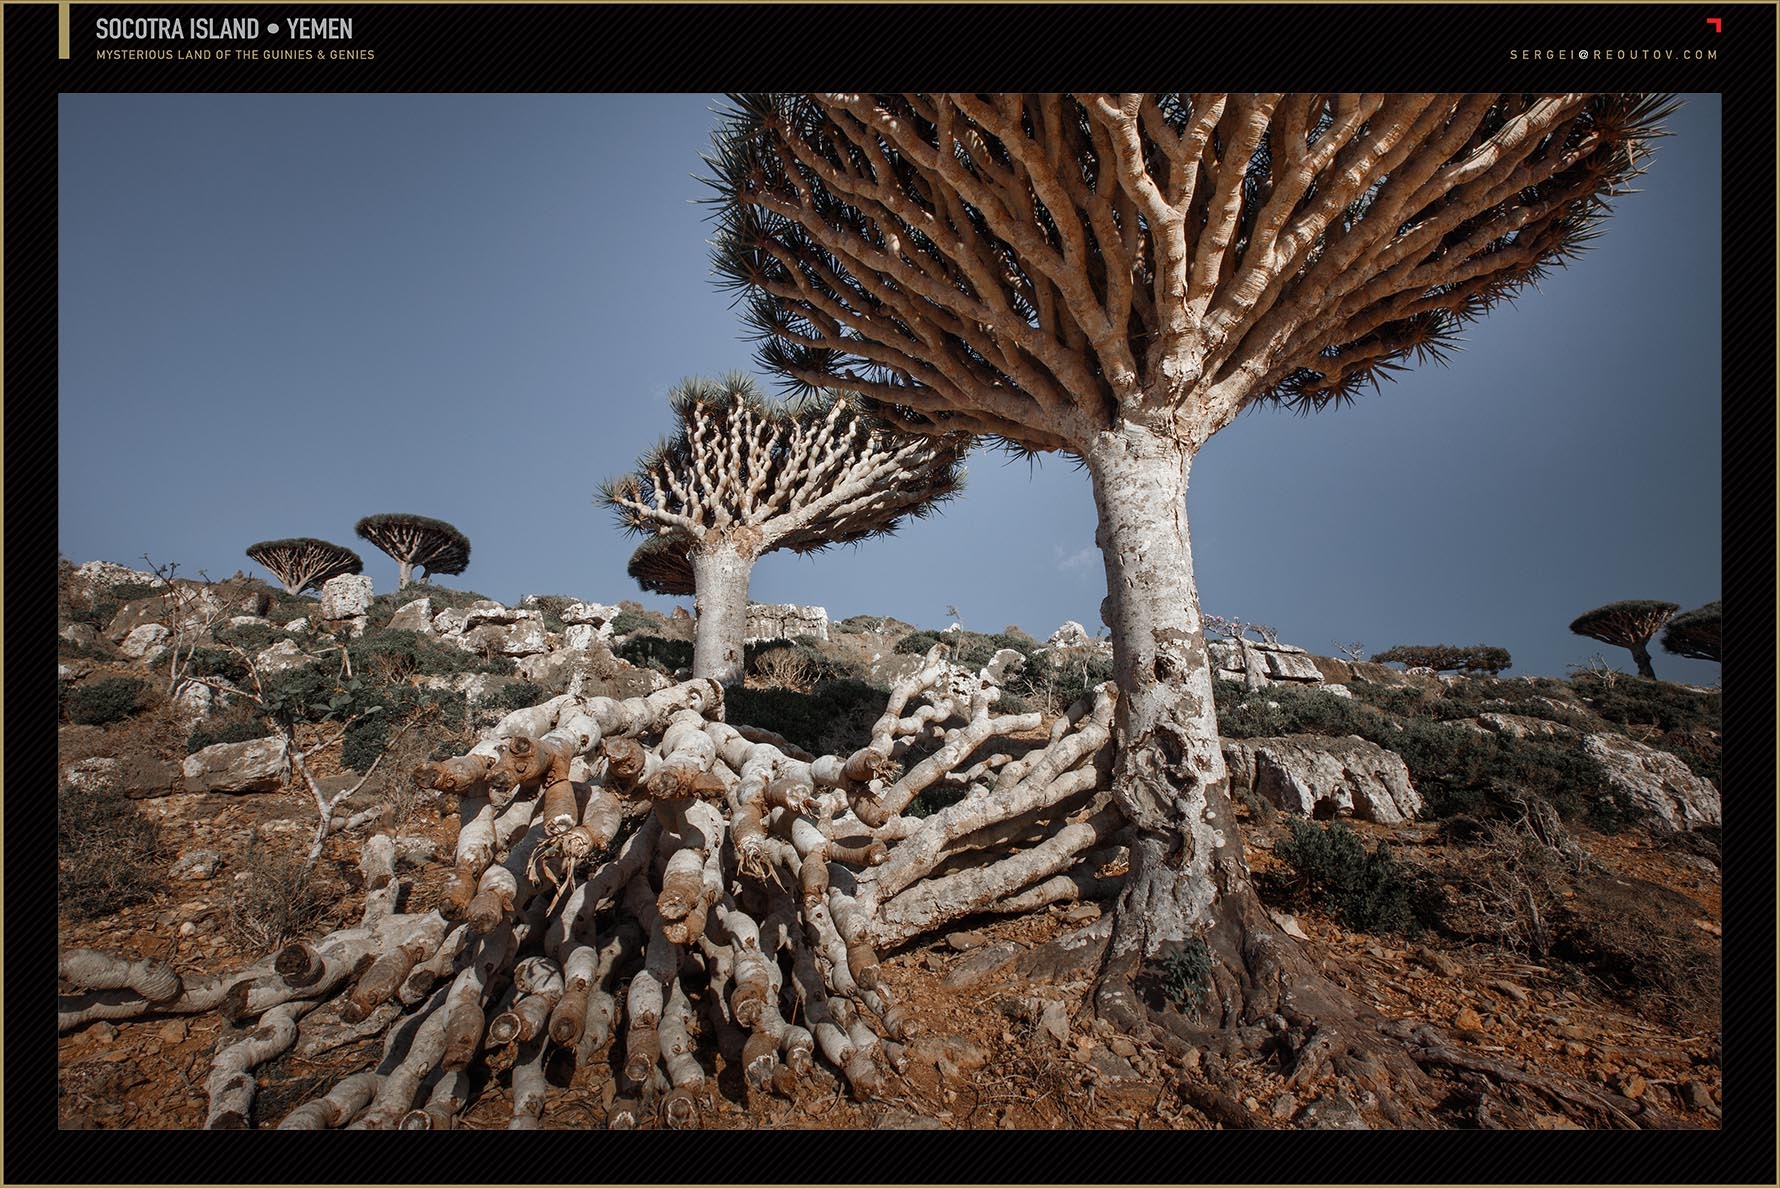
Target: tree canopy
742,468
303,562
1038,267
660,565
1694,633
412,540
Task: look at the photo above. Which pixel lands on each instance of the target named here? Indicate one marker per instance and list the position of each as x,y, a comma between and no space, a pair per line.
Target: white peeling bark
721,571
1169,780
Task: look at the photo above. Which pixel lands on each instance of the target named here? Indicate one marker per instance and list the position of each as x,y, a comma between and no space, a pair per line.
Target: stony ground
993,1049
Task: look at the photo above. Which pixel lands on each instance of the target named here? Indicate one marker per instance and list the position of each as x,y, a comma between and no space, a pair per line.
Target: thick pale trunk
404,573
1641,653
1188,880
721,578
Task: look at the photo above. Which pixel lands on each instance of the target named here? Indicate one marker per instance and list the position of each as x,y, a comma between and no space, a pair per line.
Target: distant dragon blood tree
661,566
1447,658
742,477
1694,633
433,545
304,562
1116,277
1628,624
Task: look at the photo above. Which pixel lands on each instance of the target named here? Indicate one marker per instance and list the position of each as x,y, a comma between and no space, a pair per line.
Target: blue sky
280,313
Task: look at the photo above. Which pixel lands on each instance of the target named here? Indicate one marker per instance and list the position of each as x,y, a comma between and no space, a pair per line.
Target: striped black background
549,47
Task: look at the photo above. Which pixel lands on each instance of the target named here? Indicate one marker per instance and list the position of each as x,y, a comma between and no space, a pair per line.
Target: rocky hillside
1531,863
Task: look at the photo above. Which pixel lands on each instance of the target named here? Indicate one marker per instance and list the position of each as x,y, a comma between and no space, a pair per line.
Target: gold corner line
62,21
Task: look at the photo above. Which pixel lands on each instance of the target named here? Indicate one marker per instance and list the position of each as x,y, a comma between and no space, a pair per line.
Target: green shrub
835,719
629,622
107,854
249,637
1447,657
240,730
1281,709
1369,891
652,651
102,702
917,643
551,607
858,624
131,591
391,657
1180,976
819,665
219,663
519,694
365,738
1058,680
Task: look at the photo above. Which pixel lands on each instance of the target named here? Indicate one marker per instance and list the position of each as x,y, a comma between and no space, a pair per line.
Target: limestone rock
193,701
1656,781
1521,726
1071,635
258,765
579,637
768,620
593,614
79,633
296,627
346,597
91,775
146,643
414,616
188,608
197,864
280,656
1289,664
1324,777
522,637
101,576
486,612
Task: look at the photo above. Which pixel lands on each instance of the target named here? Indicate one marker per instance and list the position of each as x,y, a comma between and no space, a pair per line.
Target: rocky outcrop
487,628
1324,777
188,608
146,643
258,765
346,603
1070,635
1656,781
346,597
414,616
280,656
1280,664
1521,726
97,577
775,620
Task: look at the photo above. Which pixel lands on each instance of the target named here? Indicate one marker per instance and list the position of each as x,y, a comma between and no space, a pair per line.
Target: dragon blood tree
303,562
660,565
1694,633
742,477
1116,277
1628,624
433,545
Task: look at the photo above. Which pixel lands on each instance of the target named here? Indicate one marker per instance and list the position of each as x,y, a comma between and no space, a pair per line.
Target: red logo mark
1717,24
